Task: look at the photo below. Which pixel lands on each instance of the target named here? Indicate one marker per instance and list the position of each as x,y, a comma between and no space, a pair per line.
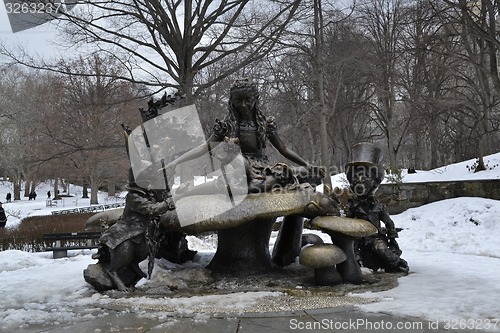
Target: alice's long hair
232,117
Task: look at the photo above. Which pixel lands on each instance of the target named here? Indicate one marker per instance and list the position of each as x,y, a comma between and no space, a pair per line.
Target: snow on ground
458,225
452,172
445,287
456,171
451,247
20,209
454,256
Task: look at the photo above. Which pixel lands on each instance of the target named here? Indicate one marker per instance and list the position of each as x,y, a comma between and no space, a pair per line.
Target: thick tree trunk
27,188
320,89
111,188
85,192
433,134
244,250
56,188
480,159
94,188
16,181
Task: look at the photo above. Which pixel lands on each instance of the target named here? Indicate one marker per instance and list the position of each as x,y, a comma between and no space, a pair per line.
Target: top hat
365,154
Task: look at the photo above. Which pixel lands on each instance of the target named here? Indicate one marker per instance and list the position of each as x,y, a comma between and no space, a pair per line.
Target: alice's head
243,97
244,105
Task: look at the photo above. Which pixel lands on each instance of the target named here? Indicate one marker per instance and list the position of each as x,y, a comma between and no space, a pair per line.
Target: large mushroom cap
344,225
212,212
321,255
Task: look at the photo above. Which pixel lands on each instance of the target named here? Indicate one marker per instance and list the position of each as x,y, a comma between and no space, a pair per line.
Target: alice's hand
318,171
170,203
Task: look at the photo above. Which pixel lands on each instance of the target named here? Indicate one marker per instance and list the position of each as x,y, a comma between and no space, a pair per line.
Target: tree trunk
111,188
16,181
244,250
391,149
27,188
94,188
65,186
433,136
480,159
32,186
85,192
56,188
320,88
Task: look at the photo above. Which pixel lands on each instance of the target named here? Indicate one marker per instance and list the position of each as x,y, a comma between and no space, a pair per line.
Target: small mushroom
343,231
323,258
310,239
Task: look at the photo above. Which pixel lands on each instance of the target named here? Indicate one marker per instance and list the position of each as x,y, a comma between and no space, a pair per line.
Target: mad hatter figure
365,174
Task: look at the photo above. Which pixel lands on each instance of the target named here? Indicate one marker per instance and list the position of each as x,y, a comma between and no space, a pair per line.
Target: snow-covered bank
457,171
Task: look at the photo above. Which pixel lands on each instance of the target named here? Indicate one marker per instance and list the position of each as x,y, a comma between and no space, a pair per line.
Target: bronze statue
365,174
130,240
245,248
268,191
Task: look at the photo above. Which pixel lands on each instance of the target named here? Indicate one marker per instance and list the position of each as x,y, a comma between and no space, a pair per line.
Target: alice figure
245,124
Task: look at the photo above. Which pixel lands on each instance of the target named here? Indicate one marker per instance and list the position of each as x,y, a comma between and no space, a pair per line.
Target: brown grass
28,236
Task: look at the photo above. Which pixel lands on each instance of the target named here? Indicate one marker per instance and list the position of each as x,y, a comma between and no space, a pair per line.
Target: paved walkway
338,319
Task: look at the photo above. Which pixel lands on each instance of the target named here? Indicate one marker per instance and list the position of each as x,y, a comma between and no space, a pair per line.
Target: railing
88,209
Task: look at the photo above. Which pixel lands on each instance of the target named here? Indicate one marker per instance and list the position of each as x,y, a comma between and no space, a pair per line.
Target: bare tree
383,22
347,88
474,25
21,93
166,43
426,72
87,136
311,86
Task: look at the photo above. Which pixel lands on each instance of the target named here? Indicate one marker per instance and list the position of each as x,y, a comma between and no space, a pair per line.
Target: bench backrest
72,236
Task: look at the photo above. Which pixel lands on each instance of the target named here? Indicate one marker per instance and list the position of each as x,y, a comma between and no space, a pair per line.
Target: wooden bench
63,242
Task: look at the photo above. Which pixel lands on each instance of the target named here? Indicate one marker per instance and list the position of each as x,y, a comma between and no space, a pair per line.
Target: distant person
32,195
48,194
3,217
8,197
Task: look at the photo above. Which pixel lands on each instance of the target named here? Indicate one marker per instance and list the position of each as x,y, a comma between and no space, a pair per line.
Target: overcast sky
37,40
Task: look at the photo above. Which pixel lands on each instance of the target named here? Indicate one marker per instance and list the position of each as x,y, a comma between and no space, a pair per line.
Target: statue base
244,250
97,276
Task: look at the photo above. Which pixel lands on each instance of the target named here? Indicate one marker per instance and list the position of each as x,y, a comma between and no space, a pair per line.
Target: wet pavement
293,309
337,319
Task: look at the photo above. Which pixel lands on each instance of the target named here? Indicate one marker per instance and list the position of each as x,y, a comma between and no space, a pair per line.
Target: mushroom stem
288,244
327,276
349,270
